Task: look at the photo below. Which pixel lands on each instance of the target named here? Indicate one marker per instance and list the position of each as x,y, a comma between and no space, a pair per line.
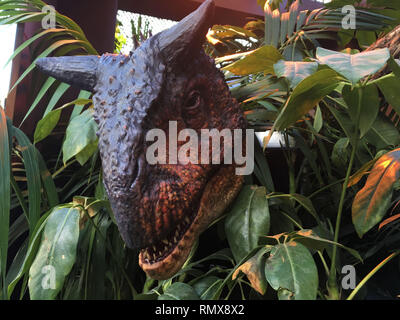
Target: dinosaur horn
188,35
78,71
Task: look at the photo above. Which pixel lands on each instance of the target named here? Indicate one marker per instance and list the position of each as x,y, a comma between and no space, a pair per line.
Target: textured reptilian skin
162,208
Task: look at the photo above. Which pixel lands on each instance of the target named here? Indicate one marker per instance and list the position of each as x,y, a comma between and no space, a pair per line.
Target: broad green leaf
290,266
83,94
394,65
305,203
81,132
365,38
50,119
340,154
318,120
383,134
46,125
354,67
373,200
56,254
254,270
86,153
369,105
262,170
259,60
248,220
5,172
207,287
311,157
390,87
260,115
293,53
179,291
306,96
295,71
311,240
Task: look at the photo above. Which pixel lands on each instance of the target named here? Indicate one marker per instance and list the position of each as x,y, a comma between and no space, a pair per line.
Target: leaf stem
332,284
369,275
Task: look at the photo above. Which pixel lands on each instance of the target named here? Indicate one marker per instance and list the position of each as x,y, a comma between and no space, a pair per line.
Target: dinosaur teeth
146,255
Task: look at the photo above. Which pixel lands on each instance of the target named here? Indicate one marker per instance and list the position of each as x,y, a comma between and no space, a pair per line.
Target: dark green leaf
369,105
290,266
311,240
179,291
340,155
248,220
81,132
383,134
56,254
207,287
390,87
46,125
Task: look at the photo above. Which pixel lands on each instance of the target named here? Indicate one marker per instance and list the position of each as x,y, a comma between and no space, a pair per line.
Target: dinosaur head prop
160,208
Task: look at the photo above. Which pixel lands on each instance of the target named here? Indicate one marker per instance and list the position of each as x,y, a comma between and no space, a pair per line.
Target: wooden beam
234,12
178,9
97,18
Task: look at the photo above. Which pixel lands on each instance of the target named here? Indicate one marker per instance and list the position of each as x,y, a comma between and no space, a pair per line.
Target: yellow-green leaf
259,60
306,96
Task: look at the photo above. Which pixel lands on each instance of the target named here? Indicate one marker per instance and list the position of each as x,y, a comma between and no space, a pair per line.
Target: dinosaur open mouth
165,258
160,250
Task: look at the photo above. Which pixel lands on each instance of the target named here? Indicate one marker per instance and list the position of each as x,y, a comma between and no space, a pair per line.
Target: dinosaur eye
193,101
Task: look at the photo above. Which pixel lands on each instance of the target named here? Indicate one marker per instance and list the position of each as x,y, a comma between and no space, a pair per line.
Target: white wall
7,39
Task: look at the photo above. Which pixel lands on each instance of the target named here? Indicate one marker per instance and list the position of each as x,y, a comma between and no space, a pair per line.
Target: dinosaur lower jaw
166,258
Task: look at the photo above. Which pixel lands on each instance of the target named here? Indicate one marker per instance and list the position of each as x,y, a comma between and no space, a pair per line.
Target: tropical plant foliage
339,207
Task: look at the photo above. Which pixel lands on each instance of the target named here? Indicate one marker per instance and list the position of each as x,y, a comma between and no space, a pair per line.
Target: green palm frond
307,27
66,38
